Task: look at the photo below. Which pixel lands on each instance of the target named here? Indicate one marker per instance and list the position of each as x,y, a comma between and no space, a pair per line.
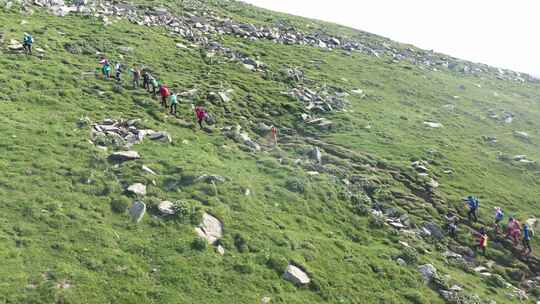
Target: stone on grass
220,250
434,125
224,97
125,49
296,275
148,170
138,189
137,211
427,271
210,178
316,155
161,136
521,135
166,208
211,229
124,156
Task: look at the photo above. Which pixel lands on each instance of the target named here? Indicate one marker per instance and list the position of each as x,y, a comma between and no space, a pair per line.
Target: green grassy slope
61,242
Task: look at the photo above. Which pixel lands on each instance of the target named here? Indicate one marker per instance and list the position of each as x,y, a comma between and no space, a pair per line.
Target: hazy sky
502,33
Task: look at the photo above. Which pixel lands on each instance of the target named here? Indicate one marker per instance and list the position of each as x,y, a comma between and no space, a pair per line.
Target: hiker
28,40
165,93
174,101
118,72
452,221
200,113
526,241
482,240
146,80
155,84
105,68
499,216
275,135
136,77
514,230
473,208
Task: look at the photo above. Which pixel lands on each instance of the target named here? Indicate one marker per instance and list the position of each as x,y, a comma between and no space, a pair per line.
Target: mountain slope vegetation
377,142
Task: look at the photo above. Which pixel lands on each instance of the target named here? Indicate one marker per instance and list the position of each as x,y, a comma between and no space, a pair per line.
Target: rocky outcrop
211,229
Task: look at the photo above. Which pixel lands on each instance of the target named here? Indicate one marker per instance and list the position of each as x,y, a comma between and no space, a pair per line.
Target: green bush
240,243
199,244
415,297
496,281
181,209
296,185
361,209
277,263
120,204
376,222
409,255
243,268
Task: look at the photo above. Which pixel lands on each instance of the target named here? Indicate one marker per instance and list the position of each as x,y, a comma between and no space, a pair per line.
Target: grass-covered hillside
377,143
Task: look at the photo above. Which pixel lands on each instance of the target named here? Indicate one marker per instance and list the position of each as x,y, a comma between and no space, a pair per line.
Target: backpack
28,39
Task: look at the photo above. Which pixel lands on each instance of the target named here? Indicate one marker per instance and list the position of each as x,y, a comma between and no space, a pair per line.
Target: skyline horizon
479,44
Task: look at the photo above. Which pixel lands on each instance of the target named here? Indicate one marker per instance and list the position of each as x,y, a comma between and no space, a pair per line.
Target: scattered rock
434,125
148,170
211,178
124,156
220,250
211,229
296,275
521,135
166,208
428,272
181,46
161,136
138,189
137,211
401,262
125,49
316,155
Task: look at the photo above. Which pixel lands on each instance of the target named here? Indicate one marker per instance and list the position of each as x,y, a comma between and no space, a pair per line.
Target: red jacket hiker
201,114
164,91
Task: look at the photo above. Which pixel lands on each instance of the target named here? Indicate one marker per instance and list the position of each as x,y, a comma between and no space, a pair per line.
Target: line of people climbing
168,99
517,233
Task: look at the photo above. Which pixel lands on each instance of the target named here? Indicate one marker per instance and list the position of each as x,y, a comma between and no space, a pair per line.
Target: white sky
502,33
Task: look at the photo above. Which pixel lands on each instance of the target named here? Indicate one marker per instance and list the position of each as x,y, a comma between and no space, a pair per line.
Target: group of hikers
514,230
169,100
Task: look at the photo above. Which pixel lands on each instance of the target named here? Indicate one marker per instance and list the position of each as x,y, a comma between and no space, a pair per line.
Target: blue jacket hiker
28,40
527,234
474,204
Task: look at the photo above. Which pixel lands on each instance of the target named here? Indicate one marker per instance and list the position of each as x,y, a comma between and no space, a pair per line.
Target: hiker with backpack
474,204
499,216
28,40
118,72
514,230
200,113
526,241
136,77
155,85
146,80
105,68
165,93
174,101
482,240
451,224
